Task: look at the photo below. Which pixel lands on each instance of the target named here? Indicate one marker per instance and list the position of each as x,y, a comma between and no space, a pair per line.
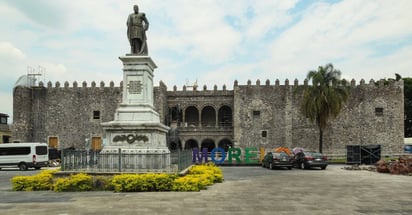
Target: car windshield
313,154
280,155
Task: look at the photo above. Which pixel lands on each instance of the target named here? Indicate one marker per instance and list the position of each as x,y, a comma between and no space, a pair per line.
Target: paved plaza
246,190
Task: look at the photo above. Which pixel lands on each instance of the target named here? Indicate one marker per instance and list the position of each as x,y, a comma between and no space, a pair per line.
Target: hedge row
41,181
198,178
143,182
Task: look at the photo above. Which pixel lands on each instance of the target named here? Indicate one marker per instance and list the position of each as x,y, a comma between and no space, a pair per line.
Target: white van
24,155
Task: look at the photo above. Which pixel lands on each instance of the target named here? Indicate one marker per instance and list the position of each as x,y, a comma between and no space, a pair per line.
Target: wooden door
53,142
96,143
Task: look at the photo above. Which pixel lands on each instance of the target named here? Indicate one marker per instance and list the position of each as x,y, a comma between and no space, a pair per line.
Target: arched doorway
175,115
208,117
209,144
225,116
190,144
225,144
192,116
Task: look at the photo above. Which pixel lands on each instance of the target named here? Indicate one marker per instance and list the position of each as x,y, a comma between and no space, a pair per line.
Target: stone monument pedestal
135,139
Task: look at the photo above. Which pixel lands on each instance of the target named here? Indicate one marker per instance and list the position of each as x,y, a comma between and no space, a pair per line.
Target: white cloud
35,12
12,59
342,34
6,103
10,52
268,16
197,29
380,67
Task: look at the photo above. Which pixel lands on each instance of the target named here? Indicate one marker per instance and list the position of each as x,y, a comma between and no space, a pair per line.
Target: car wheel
23,166
302,165
270,166
289,167
323,167
37,168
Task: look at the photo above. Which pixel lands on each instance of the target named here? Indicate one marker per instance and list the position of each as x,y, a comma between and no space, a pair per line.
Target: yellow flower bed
40,181
143,182
76,182
197,178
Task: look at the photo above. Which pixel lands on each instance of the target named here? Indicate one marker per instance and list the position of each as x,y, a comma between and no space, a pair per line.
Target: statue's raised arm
137,26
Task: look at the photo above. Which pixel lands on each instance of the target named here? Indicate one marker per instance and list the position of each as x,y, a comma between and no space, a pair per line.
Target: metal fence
181,158
79,160
84,160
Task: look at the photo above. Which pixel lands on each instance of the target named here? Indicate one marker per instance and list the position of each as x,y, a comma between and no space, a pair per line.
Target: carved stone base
152,135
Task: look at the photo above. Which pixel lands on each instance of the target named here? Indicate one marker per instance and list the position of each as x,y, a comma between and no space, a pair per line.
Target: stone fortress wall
262,115
373,115
67,113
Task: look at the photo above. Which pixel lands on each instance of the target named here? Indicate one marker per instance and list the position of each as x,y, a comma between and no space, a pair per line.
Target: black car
274,159
308,159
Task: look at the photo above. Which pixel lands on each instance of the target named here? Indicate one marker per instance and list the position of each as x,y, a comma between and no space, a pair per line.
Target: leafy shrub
164,182
187,183
143,182
126,183
77,182
210,169
198,178
102,183
40,181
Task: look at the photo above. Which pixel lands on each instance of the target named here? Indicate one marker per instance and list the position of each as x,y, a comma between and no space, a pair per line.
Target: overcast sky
212,41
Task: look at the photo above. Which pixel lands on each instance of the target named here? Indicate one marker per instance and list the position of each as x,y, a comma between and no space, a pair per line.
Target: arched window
191,144
225,116
209,144
192,116
225,144
208,117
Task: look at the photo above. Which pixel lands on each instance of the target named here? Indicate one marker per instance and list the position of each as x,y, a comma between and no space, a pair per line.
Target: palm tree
324,99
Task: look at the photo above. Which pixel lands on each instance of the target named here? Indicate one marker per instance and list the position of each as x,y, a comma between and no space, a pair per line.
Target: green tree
325,98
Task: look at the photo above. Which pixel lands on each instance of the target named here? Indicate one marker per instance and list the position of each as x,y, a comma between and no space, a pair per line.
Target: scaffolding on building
191,86
33,76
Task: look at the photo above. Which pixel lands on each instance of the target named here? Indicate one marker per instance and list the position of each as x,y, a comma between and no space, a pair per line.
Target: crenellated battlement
383,83
389,87
352,83
75,84
196,89
391,83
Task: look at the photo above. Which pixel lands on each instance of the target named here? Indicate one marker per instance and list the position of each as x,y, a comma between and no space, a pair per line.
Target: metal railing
92,161
78,160
181,158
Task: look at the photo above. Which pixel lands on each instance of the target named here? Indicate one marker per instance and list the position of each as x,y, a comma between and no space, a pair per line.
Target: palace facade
250,115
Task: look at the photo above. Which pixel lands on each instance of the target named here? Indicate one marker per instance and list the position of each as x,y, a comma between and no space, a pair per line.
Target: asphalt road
246,190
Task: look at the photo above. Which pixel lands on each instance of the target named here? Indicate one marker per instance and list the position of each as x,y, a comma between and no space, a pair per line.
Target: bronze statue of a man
137,26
